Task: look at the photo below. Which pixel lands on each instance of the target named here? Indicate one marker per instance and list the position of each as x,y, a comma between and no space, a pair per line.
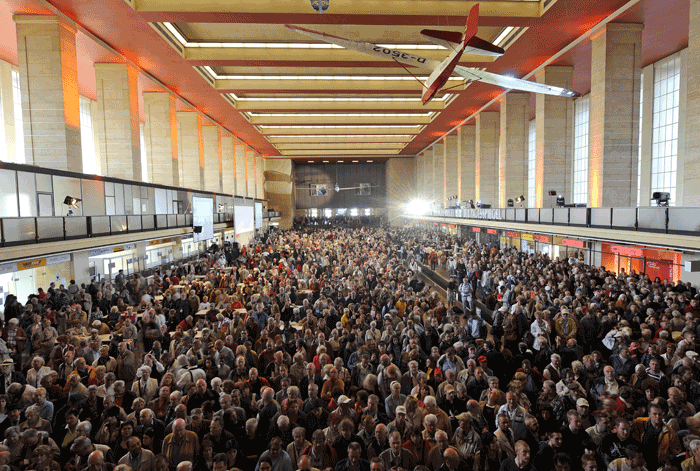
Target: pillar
420,174
228,171
647,122
48,73
451,164
189,141
616,68
486,171
555,123
280,190
467,157
118,120
160,138
240,166
438,169
400,184
514,131
691,160
259,177
250,171
211,154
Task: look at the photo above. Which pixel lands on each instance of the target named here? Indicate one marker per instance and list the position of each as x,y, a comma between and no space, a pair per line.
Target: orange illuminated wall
200,142
664,264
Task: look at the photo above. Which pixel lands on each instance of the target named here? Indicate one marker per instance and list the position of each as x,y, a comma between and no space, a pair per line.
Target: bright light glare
417,207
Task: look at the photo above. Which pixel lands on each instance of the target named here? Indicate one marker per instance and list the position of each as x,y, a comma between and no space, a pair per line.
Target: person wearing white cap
399,424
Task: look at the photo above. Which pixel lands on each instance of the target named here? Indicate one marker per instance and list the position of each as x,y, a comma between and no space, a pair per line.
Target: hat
481,359
634,346
400,410
582,402
437,371
344,399
97,324
14,320
465,416
448,388
8,361
458,345
691,354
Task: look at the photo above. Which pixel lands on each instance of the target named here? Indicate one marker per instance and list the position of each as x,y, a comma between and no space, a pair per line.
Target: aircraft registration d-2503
441,71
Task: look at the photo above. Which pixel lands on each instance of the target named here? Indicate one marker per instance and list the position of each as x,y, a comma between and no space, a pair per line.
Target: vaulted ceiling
287,95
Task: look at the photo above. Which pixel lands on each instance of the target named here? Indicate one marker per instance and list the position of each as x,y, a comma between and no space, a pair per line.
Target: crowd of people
322,348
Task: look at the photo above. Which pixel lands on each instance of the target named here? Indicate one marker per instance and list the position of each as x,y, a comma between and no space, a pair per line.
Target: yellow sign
27,264
154,242
526,236
118,249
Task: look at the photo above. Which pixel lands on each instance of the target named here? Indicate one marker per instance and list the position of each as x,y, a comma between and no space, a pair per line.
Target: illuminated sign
492,231
629,251
542,238
27,264
512,234
526,236
572,243
476,229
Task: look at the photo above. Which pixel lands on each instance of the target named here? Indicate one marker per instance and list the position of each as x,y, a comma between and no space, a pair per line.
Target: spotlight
320,5
72,203
510,203
560,201
661,197
417,207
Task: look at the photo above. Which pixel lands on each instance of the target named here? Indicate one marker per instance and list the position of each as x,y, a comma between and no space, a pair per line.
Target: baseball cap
582,402
400,410
344,399
482,358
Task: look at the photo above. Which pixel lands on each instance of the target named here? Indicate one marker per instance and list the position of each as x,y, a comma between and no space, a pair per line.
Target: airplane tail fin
472,24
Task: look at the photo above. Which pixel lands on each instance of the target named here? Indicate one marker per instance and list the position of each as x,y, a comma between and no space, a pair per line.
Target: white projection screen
243,219
258,216
203,215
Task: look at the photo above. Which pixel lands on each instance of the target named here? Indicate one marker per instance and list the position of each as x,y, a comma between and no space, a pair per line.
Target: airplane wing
513,83
371,49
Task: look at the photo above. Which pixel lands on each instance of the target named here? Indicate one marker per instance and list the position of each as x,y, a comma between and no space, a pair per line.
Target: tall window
19,122
664,143
532,165
87,137
580,179
639,150
144,158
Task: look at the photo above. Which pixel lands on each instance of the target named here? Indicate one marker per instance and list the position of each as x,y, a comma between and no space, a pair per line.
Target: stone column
280,190
486,171
400,184
8,112
647,120
250,171
118,120
259,177
189,140
240,170
438,169
555,122
515,114
467,156
452,164
210,146
228,173
691,161
160,138
616,69
420,174
48,73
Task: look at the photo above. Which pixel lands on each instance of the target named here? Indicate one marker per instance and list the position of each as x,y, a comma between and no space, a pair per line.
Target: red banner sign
629,251
476,229
515,235
542,238
572,243
492,231
435,223
452,226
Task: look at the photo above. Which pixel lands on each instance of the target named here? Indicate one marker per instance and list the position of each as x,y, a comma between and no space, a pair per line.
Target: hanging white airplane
441,71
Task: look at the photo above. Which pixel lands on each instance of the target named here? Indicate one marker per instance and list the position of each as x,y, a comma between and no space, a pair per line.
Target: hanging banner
526,236
543,238
492,231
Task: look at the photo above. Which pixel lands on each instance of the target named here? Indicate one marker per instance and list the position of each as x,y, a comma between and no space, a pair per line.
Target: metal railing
667,220
36,230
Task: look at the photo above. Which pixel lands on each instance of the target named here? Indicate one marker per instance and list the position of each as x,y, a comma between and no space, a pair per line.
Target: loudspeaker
197,229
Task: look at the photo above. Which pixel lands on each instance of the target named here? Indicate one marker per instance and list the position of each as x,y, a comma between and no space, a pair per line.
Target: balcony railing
36,230
671,220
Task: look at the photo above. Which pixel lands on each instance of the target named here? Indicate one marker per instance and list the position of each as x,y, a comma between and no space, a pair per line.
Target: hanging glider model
460,44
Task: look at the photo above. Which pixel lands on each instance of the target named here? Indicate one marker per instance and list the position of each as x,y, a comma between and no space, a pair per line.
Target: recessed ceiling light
311,161
325,161
370,161
355,161
321,99
340,161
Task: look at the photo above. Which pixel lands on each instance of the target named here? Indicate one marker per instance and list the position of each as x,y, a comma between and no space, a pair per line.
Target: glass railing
667,220
36,230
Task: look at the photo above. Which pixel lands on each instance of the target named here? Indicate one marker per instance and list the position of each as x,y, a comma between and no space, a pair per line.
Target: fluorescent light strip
344,115
334,136
324,126
322,99
239,45
506,31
